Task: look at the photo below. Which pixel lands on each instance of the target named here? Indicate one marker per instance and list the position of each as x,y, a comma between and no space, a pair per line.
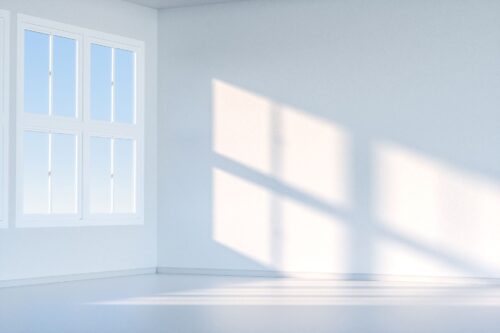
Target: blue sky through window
124,176
36,166
100,85
64,173
100,171
50,165
64,77
124,86
36,72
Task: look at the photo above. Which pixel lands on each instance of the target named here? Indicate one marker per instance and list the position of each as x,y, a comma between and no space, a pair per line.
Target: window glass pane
100,175
36,180
124,86
36,72
64,174
64,77
100,83
124,176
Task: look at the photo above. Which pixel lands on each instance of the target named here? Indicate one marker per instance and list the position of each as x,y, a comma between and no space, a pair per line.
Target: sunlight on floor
290,292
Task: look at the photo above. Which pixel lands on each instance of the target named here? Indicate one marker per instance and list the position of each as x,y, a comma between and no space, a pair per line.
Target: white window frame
82,125
4,114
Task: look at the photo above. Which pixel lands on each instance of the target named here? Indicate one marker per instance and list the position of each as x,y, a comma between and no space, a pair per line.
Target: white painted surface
156,303
46,252
75,277
178,3
331,136
4,115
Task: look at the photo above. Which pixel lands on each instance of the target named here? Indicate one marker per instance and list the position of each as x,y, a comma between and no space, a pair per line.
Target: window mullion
51,67
113,86
77,81
112,174
50,174
134,176
113,112
77,162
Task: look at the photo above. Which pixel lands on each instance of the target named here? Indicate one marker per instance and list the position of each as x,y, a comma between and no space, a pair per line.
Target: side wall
43,252
331,136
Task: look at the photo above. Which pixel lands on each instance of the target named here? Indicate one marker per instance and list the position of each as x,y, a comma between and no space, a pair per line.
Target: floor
178,304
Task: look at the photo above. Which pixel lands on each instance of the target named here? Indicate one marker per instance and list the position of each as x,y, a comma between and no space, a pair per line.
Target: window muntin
106,169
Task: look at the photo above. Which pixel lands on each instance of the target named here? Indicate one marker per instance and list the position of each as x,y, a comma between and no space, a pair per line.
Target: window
4,115
80,127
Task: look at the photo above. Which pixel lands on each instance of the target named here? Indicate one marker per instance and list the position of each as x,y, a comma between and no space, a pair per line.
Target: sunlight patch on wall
315,156
242,126
312,241
283,168
305,152
452,216
241,218
280,233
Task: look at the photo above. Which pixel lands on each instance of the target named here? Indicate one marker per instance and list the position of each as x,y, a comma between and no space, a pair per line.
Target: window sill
71,223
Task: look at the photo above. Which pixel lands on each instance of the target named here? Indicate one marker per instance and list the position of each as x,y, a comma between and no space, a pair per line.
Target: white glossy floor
178,304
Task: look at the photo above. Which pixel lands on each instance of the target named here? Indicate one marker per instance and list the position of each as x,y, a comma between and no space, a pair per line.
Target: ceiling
177,3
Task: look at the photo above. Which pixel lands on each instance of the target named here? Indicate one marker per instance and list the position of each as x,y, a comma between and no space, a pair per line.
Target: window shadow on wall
300,192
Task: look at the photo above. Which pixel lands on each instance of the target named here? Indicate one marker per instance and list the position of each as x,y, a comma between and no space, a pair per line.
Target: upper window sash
56,37
112,84
117,49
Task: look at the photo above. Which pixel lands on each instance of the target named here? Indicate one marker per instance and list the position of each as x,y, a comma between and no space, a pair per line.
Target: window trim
82,125
4,117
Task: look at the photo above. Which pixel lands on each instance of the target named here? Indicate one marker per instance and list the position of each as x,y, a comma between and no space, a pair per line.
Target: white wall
39,252
331,136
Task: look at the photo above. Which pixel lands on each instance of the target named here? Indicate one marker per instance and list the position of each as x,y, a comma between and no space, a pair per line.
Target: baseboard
75,277
329,276
248,274
219,272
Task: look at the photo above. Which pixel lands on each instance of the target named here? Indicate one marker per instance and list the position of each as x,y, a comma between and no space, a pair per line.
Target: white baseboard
329,276
248,274
75,277
219,272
